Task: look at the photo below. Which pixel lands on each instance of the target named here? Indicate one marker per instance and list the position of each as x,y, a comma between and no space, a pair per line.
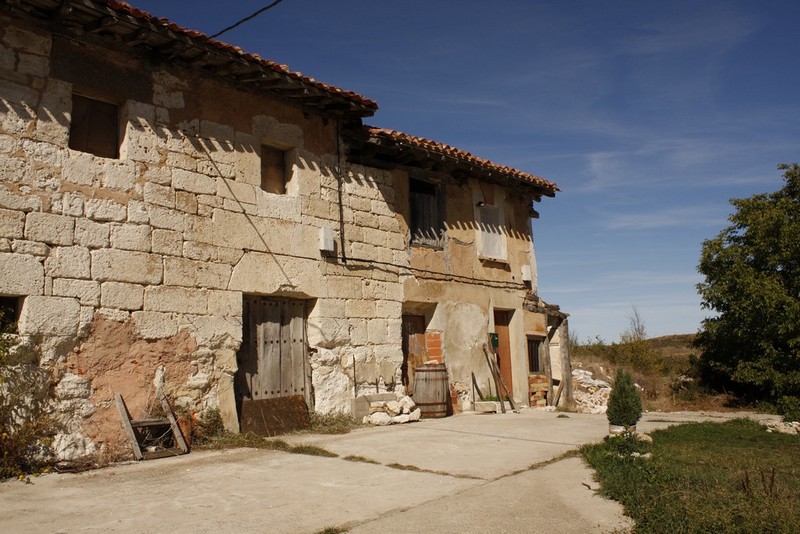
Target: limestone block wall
131,271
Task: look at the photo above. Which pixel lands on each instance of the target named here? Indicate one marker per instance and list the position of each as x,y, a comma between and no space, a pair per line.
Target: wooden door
501,321
414,352
272,358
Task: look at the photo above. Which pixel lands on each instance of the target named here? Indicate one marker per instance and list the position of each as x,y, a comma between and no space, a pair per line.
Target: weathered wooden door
272,359
414,353
501,321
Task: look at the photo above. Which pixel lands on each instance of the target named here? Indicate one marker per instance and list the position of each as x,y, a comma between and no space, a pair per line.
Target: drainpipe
339,182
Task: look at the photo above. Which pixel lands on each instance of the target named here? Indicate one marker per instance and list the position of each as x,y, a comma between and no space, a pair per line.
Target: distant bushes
637,354
633,351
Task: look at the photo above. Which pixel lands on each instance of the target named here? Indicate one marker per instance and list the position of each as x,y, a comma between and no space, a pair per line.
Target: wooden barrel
431,390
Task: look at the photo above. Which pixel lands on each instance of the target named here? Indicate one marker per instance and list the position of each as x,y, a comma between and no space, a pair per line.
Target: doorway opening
272,383
502,320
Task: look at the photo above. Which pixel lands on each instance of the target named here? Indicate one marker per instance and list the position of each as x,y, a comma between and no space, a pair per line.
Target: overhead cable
254,15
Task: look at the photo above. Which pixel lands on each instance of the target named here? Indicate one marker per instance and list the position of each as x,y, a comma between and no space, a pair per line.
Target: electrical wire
254,15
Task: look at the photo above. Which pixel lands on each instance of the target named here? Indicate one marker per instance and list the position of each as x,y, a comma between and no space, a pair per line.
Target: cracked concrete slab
248,490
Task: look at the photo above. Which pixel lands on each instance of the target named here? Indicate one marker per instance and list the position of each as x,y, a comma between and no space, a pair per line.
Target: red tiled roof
194,35
448,150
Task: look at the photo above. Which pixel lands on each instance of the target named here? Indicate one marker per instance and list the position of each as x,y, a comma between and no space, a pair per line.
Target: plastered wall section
462,306
145,258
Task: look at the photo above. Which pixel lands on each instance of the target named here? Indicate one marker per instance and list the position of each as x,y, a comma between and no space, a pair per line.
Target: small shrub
624,403
25,428
789,408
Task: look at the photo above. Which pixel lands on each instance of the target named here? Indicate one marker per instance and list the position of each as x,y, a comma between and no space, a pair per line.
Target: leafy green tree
751,346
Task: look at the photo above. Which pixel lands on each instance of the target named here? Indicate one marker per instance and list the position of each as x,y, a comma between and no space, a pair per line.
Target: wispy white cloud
670,161
713,25
626,282
652,278
670,217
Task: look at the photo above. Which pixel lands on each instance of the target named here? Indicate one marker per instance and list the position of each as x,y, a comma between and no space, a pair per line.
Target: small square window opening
95,127
9,314
273,170
534,357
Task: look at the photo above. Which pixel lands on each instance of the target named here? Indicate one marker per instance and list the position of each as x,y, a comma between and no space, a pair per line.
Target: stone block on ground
379,419
407,404
393,408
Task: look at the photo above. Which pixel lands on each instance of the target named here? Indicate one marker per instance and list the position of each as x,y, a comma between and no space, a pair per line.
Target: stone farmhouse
176,213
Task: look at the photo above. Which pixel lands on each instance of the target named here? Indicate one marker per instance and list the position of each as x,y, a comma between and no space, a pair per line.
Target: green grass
704,477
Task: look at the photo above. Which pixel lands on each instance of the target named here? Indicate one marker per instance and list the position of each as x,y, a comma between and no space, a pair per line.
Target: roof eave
379,148
117,25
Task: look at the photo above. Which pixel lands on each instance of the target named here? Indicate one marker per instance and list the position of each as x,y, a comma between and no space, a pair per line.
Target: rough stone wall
133,269
356,323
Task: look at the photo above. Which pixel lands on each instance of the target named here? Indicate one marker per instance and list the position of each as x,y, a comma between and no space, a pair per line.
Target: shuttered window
426,212
491,235
94,127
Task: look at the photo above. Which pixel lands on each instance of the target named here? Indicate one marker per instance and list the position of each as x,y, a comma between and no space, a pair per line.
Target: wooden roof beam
100,24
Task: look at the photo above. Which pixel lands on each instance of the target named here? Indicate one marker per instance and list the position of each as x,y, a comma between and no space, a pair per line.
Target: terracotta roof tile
448,150
127,9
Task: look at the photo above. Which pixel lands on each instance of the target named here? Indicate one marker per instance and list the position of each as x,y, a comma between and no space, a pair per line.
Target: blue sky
649,115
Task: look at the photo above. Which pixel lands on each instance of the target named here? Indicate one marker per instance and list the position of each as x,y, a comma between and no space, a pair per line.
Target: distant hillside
675,345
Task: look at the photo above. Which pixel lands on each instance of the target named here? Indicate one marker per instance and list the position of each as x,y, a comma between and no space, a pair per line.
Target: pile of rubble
392,412
591,394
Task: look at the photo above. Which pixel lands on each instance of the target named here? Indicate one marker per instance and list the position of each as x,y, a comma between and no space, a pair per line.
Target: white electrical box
326,243
526,273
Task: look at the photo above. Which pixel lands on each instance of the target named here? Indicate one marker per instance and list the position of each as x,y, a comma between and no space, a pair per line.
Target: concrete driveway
468,473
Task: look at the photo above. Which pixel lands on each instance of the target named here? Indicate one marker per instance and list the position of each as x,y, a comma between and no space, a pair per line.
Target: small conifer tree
624,403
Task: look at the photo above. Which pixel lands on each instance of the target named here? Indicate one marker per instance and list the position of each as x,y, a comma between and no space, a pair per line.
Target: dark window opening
427,213
273,170
534,358
95,127
9,314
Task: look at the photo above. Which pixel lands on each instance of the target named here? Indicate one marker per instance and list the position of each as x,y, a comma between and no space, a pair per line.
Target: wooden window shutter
426,212
492,240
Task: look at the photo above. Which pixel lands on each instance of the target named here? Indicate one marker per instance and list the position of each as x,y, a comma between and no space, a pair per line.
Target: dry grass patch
362,459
